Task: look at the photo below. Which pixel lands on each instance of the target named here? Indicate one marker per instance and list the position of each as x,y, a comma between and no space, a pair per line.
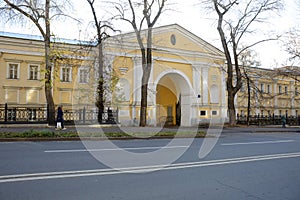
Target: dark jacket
60,115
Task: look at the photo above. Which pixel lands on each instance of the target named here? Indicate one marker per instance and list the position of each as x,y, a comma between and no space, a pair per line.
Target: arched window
214,94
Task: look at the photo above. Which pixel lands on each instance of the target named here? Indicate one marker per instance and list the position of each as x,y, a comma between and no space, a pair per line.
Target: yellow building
273,92
186,86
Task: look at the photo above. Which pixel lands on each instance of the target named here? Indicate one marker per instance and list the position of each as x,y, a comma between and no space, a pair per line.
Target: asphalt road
240,166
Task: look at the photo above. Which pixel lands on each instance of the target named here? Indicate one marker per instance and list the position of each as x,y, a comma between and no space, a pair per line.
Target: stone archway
174,95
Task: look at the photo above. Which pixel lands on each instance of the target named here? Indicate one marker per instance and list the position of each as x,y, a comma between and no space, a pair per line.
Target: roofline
41,39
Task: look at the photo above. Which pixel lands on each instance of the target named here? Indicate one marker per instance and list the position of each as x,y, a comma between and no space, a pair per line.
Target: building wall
274,94
188,66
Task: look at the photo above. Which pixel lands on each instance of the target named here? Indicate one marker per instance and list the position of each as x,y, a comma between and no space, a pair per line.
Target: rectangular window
65,74
296,91
285,90
214,112
33,72
13,70
262,88
83,76
279,89
202,113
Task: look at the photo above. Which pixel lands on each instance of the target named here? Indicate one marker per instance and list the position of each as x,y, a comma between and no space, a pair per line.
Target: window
214,112
296,91
83,76
65,75
285,90
262,87
13,71
33,72
202,113
280,89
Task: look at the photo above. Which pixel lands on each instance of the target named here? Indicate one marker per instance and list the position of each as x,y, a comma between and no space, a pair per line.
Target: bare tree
150,13
101,28
235,19
248,59
40,13
292,46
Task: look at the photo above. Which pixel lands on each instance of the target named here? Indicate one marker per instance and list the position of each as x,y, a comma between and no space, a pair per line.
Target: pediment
173,38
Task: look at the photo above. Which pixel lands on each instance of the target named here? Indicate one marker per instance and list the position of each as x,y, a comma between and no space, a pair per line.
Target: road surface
240,166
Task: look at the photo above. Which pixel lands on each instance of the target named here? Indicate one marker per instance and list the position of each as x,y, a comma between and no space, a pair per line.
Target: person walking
60,119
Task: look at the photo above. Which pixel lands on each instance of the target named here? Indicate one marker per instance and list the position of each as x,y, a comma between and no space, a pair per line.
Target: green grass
63,134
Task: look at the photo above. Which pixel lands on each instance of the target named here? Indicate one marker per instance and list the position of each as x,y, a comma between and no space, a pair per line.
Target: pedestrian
60,119
283,120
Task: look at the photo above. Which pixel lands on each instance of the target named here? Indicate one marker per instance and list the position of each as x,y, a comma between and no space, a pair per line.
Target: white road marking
119,149
262,142
102,172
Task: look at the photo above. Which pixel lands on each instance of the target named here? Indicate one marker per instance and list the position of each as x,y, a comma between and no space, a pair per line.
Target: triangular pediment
173,38
178,38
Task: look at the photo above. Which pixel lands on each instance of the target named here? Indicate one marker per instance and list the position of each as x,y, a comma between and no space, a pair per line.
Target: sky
187,14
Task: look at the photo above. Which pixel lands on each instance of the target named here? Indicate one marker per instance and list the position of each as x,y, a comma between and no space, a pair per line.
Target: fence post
5,112
83,115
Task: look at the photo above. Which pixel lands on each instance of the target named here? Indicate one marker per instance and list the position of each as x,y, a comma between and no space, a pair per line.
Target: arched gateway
174,94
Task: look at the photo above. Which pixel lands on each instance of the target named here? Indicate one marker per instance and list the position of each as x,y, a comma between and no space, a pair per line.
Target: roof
40,38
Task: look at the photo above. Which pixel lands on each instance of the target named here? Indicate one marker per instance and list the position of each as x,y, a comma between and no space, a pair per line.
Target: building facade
272,92
186,87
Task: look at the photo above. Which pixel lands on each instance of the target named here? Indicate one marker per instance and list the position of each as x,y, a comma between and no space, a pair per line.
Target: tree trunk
48,72
144,95
231,108
100,101
249,101
147,65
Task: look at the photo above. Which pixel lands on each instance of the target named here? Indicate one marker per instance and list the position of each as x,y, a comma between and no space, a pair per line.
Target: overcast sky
187,14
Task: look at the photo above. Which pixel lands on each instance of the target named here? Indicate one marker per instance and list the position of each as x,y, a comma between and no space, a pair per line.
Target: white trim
30,53
38,71
70,74
88,74
8,70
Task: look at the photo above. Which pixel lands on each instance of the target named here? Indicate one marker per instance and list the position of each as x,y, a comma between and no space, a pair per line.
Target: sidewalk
117,128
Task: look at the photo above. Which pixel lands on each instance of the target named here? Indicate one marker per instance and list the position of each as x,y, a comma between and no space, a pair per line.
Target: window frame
87,76
37,72
16,75
62,68
203,111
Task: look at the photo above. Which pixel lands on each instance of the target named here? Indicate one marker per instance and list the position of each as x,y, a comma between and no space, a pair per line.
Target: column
205,85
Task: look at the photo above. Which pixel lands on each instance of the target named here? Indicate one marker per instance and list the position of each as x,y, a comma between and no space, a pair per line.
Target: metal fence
10,114
268,120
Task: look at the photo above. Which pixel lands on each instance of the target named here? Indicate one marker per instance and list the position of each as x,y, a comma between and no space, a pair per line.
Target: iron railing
268,120
38,114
